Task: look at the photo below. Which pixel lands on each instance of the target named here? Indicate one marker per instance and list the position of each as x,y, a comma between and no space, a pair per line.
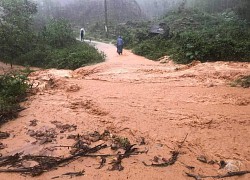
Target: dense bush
155,46
70,57
13,87
58,34
196,35
73,57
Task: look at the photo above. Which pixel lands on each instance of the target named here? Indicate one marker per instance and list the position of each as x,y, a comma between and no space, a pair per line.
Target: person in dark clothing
82,32
119,45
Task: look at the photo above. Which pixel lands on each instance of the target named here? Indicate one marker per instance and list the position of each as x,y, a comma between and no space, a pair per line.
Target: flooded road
136,98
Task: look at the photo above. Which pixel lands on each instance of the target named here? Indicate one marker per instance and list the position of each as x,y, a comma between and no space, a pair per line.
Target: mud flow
131,118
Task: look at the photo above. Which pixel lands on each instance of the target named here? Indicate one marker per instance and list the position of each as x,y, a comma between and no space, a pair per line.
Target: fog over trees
87,11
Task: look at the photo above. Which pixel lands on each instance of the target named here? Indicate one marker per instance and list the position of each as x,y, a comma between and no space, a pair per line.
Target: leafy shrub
36,57
70,57
151,49
58,34
13,87
196,35
73,57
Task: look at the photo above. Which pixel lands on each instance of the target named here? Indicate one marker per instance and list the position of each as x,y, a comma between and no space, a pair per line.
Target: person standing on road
119,45
82,33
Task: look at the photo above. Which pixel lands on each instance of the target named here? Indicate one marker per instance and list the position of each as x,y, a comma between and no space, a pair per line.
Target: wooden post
106,18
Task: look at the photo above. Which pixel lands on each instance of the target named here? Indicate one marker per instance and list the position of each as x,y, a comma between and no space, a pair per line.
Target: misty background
85,12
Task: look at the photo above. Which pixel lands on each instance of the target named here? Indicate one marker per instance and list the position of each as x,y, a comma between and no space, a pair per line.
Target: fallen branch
63,147
71,174
10,160
83,153
112,155
21,170
46,163
229,174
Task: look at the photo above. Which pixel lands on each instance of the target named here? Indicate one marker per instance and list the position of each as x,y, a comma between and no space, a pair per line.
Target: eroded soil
136,98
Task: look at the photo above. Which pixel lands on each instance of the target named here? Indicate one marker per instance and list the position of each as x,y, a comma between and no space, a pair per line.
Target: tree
58,34
15,28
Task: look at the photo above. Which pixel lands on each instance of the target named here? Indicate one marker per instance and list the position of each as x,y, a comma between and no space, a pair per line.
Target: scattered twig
14,163
56,177
173,159
72,174
117,164
229,174
102,163
187,166
203,159
113,155
184,140
63,146
169,162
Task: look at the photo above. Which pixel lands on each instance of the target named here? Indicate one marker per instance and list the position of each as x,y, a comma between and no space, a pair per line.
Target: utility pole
106,18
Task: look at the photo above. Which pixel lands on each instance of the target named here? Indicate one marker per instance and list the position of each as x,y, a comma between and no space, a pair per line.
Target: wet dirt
137,98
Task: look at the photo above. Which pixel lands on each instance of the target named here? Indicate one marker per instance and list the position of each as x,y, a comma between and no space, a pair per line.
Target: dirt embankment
154,105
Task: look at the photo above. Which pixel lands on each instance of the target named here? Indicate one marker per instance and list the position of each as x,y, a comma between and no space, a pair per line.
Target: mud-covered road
136,98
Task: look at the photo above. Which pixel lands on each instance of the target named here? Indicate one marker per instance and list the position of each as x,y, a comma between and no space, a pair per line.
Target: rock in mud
33,122
233,165
4,135
2,146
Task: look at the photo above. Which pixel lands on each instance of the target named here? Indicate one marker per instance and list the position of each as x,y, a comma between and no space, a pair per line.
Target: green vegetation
194,35
122,142
52,46
15,28
13,88
69,57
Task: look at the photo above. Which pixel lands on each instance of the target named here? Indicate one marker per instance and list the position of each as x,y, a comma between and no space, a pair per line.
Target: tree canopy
15,29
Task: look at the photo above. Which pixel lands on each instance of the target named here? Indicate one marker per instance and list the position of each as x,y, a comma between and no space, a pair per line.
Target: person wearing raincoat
119,45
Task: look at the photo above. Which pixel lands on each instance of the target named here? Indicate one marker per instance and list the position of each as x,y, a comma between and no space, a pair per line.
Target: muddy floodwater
161,107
